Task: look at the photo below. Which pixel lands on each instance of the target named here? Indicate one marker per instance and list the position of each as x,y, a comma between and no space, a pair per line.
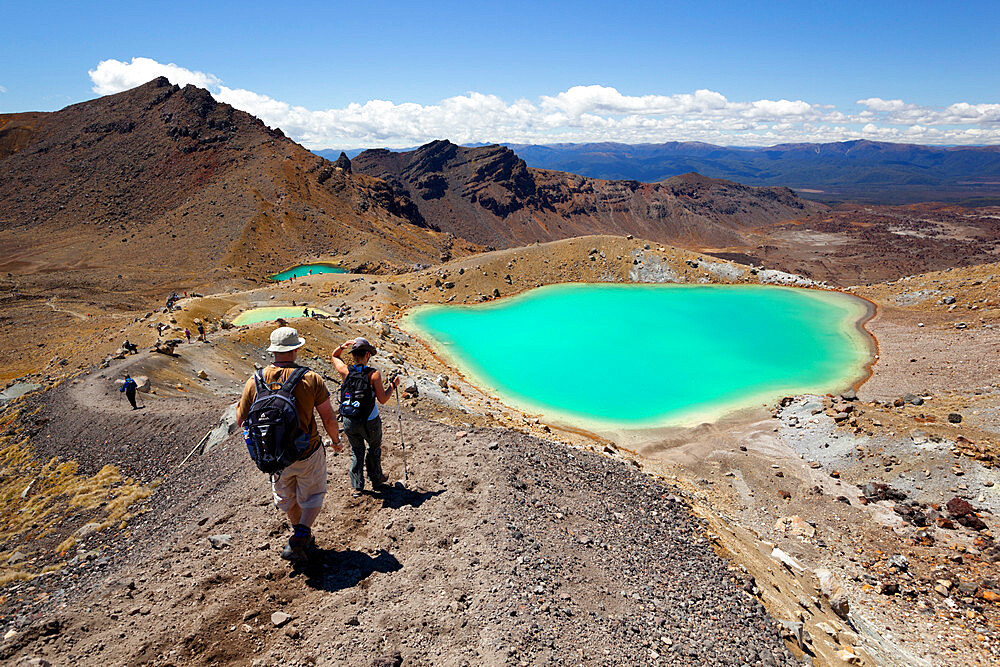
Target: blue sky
916,60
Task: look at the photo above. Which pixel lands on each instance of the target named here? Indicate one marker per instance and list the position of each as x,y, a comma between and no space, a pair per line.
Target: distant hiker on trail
305,312
201,332
128,387
187,334
287,445
360,394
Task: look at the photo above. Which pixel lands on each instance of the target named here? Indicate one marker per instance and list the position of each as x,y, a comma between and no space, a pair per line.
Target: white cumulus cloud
582,114
113,76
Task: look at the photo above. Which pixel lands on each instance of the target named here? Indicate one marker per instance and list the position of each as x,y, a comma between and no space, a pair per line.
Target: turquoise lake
641,356
306,270
271,313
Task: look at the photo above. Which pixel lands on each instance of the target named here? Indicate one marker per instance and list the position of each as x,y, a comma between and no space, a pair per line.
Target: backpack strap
293,379
262,388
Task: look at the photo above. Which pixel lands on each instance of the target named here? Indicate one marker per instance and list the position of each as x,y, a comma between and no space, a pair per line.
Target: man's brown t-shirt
309,392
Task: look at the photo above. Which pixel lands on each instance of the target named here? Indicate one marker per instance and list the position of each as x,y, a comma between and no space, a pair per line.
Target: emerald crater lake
643,356
306,270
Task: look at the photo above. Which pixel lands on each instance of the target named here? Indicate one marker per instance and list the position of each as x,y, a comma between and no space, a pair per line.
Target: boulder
954,418
280,618
394,660
899,562
343,162
795,525
786,560
794,630
17,390
223,429
972,522
834,592
889,588
166,347
959,507
220,541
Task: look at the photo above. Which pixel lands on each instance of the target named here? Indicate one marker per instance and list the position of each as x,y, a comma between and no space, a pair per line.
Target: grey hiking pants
357,433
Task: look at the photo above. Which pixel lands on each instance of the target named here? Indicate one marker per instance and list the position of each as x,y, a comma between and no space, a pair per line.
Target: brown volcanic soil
488,195
872,244
500,549
736,490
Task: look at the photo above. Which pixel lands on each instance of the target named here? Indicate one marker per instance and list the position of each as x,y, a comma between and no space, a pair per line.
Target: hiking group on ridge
276,412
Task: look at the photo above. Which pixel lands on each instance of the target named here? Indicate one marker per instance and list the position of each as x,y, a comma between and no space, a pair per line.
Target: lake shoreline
738,409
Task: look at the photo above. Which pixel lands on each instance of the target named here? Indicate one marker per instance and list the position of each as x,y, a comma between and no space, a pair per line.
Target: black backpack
357,396
275,437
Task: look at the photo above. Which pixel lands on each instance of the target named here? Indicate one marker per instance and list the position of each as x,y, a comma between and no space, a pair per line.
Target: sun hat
362,345
285,339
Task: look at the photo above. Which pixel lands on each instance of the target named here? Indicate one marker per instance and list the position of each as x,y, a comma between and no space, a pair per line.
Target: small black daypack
275,438
357,396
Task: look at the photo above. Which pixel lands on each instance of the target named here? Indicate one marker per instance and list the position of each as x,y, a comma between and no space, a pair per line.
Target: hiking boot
380,481
298,548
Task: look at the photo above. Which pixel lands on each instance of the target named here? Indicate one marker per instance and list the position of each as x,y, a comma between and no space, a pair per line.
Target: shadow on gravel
397,496
330,570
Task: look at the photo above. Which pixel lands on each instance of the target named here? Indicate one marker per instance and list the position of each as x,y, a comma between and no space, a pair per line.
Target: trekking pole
402,446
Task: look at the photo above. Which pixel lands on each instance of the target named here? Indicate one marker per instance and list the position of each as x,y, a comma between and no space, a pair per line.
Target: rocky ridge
488,195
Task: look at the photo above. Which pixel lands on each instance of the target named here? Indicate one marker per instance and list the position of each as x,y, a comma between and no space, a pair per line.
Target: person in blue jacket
129,387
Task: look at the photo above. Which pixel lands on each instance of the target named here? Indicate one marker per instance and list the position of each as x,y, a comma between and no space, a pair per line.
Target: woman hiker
360,394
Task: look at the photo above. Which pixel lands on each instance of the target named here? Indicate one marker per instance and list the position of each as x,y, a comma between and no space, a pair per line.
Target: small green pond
306,270
271,313
642,356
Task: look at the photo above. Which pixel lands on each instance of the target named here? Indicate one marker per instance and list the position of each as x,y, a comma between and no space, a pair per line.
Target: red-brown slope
168,183
110,205
488,195
17,130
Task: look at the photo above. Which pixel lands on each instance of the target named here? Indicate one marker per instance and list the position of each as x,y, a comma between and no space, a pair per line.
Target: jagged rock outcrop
343,162
489,195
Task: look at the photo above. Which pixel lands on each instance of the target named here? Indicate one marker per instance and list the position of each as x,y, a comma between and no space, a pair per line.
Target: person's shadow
331,570
397,496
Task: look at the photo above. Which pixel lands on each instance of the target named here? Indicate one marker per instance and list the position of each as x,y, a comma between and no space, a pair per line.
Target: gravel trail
500,549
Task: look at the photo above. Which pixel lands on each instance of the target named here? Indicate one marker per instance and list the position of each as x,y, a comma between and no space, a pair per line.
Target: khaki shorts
303,483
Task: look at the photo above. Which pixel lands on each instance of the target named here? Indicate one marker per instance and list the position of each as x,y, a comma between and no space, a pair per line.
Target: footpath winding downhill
514,542
501,548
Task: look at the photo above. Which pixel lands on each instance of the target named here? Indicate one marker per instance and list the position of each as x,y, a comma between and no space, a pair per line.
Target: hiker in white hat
299,488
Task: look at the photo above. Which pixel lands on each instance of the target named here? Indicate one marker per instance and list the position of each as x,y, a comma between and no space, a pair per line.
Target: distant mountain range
862,171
